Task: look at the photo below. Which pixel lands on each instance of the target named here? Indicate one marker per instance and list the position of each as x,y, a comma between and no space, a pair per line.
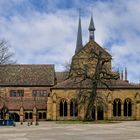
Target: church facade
122,99
38,93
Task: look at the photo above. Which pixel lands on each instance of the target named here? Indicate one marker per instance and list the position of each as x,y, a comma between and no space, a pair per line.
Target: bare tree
6,57
67,66
97,75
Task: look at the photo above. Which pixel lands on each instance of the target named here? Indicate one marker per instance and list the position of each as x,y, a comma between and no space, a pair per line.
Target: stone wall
68,94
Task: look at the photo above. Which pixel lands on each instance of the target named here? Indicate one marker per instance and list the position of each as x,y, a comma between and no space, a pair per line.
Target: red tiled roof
61,76
13,103
73,83
27,75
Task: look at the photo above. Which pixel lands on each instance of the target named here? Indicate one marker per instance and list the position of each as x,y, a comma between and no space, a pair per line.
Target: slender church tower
79,42
91,29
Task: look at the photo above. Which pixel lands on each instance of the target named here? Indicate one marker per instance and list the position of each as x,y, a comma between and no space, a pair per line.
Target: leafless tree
67,66
100,75
6,57
65,73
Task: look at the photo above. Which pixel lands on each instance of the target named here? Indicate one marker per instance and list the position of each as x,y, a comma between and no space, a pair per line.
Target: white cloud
41,38
49,37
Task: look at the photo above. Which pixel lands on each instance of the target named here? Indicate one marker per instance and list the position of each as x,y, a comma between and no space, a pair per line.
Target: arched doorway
15,117
93,114
100,113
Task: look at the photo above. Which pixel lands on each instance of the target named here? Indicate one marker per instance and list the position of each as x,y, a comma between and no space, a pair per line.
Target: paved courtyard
52,131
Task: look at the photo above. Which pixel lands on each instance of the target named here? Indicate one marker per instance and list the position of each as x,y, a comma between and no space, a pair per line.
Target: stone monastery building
37,92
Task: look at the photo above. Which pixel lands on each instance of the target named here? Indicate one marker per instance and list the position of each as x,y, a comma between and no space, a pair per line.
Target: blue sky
44,31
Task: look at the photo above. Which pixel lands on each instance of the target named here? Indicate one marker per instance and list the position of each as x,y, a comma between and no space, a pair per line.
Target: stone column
54,109
122,110
7,117
54,114
133,110
81,113
109,112
49,108
96,113
104,114
34,114
138,111
68,111
21,115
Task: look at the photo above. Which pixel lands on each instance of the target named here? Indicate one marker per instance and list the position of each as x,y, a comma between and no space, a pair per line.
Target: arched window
14,116
73,108
63,108
26,115
127,107
117,107
30,115
100,113
40,115
44,115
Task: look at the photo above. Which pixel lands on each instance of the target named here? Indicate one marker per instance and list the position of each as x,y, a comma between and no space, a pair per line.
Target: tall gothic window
127,107
73,108
63,108
117,107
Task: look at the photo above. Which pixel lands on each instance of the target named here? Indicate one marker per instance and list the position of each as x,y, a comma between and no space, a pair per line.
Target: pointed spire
91,29
118,71
122,75
79,43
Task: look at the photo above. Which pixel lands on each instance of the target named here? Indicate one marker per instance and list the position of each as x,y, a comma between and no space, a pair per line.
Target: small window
30,115
20,93
16,93
44,115
40,115
45,92
12,93
34,93
39,93
26,115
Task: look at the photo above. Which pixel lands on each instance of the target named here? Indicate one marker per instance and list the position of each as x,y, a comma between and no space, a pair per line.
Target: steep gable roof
91,44
14,75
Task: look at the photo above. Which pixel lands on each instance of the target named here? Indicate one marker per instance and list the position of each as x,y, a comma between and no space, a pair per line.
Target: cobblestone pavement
128,130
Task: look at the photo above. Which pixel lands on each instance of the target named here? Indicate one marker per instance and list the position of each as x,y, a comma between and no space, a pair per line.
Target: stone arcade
123,102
